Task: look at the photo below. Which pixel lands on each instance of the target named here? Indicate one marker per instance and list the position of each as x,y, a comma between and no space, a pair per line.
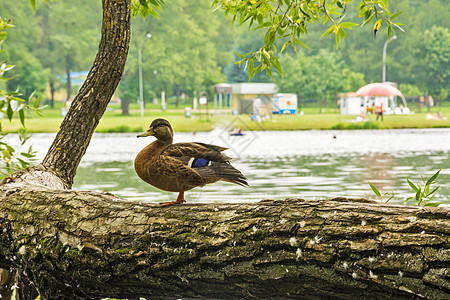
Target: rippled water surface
305,164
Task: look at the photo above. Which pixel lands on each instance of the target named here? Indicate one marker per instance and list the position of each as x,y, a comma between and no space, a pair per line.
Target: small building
253,98
350,104
284,104
372,96
222,97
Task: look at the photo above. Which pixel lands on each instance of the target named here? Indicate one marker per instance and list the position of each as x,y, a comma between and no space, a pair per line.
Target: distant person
363,115
380,111
430,116
421,102
430,101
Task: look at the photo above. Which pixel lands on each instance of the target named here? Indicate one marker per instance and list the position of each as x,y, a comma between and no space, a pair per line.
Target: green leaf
242,19
395,15
33,5
238,55
338,38
329,31
9,111
426,189
412,185
390,197
419,196
374,189
431,198
383,5
257,69
284,46
341,33
433,191
250,70
347,25
27,155
432,178
407,199
270,74
22,116
23,163
276,64
298,41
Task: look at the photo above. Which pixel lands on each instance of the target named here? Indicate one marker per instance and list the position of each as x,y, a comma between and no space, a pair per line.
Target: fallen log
80,245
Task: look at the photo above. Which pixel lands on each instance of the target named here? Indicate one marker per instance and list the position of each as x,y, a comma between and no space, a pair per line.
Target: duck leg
180,199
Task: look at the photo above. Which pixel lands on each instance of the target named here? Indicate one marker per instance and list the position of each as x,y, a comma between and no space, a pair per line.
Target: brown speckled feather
197,150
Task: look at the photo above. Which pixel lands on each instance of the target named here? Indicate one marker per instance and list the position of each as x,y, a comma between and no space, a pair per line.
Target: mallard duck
182,166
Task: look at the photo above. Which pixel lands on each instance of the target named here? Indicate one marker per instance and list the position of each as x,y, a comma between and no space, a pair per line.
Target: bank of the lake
113,121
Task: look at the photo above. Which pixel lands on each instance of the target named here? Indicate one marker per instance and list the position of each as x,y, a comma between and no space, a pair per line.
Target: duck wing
207,161
178,172
221,171
196,150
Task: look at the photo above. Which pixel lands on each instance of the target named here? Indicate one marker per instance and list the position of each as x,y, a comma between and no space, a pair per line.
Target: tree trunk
91,101
125,105
52,93
79,245
177,93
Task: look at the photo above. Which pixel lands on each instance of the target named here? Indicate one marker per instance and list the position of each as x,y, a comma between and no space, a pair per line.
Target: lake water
280,164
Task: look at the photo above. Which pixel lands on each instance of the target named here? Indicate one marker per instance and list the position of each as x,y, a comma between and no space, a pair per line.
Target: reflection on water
305,164
308,177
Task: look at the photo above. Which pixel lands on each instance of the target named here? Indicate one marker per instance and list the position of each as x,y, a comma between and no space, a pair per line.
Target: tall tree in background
437,56
56,40
319,77
186,52
71,48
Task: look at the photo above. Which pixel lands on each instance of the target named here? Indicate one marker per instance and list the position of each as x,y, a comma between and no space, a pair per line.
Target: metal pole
141,88
384,58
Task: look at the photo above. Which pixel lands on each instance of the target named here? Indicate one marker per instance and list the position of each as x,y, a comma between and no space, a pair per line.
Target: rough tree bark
79,245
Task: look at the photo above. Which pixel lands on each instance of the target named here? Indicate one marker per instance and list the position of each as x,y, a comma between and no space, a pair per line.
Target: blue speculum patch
199,162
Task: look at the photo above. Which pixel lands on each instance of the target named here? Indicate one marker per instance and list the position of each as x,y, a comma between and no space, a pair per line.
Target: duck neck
166,141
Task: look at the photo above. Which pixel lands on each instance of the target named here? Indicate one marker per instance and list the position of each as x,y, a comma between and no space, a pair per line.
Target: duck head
161,129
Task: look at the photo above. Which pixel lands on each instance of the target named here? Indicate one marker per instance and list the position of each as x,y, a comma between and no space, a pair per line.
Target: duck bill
149,132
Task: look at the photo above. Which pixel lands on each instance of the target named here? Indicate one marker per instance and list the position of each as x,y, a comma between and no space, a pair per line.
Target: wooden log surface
80,245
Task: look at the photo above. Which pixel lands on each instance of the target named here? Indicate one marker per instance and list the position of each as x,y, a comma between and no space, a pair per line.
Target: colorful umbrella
378,89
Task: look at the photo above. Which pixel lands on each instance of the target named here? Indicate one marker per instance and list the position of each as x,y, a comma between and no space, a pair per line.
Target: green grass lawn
113,121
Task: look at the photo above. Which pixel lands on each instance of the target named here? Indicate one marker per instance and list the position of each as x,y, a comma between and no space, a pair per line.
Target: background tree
319,77
437,57
244,42
46,33
186,52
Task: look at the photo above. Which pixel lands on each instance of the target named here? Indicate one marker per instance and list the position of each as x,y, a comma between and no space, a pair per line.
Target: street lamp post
384,58
141,89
